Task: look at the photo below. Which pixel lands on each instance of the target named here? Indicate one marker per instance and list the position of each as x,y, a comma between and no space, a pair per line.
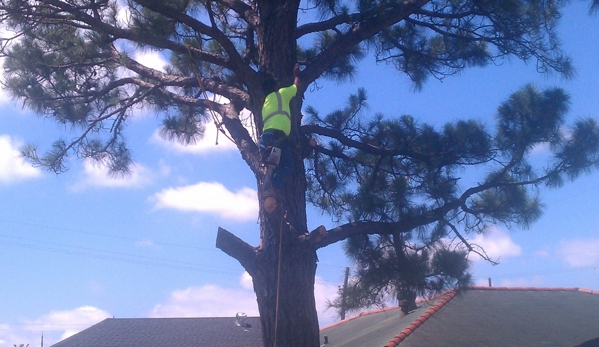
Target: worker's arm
296,74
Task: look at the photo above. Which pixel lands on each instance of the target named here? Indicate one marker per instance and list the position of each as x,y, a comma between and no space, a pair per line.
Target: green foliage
71,61
425,184
342,69
447,37
383,272
65,77
531,117
186,130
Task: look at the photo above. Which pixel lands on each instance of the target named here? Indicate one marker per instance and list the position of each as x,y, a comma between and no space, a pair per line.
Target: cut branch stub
236,248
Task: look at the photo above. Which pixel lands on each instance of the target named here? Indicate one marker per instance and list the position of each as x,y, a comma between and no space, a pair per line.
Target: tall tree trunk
277,46
284,286
283,267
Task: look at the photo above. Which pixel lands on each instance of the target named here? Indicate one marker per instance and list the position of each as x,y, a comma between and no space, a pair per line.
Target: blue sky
80,247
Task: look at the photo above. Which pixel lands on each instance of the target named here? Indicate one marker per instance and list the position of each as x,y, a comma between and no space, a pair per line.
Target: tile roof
479,316
168,332
375,328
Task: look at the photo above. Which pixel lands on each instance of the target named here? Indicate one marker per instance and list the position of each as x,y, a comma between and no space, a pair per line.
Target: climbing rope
278,281
219,129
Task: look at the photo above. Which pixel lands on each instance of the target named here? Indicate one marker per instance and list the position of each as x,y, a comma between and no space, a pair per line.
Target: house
169,332
476,317
479,316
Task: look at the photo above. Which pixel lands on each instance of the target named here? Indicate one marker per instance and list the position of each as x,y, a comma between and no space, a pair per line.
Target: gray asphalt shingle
490,317
168,332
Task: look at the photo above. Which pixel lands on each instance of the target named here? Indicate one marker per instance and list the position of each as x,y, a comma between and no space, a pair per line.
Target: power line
105,235
110,255
116,256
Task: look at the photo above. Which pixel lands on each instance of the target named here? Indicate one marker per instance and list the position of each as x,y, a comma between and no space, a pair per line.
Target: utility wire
320,263
105,235
108,255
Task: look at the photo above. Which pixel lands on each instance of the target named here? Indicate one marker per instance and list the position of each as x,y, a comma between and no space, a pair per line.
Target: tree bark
283,266
283,272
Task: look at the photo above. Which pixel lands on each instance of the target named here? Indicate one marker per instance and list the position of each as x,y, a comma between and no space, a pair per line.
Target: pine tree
391,181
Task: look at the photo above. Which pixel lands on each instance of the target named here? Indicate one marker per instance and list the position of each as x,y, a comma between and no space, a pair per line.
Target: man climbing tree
391,181
274,141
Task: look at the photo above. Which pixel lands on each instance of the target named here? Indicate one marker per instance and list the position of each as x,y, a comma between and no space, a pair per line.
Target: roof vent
240,321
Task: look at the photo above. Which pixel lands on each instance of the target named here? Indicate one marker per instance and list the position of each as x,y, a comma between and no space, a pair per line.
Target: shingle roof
480,316
168,332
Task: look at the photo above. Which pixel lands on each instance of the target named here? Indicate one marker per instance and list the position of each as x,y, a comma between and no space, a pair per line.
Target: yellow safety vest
275,112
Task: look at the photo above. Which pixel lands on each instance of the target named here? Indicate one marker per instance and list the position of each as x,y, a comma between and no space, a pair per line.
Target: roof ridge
420,320
452,292
538,289
361,314
383,309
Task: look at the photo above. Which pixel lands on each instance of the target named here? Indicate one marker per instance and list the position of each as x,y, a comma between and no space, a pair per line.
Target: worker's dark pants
277,138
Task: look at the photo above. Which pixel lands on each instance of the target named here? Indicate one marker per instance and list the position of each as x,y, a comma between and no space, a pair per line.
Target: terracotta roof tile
451,294
361,314
419,321
445,298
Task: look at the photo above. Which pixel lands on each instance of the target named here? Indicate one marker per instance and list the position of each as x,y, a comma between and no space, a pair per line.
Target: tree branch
472,247
236,248
243,10
246,145
238,66
358,34
368,148
119,33
328,24
210,85
342,232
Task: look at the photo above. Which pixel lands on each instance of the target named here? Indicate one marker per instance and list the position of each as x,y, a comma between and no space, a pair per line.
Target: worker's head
269,85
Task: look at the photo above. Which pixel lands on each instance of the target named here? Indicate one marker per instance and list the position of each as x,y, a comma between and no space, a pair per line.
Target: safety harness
279,110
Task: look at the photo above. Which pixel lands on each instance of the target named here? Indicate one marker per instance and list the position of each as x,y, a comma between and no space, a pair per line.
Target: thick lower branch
236,248
342,232
242,138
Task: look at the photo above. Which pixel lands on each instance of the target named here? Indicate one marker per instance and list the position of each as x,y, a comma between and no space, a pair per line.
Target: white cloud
4,96
535,281
213,141
12,167
497,244
212,198
580,252
207,301
216,301
123,14
150,59
246,281
71,321
56,325
97,175
207,144
543,148
324,291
